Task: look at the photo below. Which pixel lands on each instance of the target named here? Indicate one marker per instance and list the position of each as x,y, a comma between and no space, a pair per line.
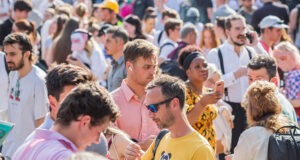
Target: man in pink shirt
271,32
141,65
82,116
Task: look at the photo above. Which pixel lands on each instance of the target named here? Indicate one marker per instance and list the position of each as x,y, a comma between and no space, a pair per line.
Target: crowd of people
147,79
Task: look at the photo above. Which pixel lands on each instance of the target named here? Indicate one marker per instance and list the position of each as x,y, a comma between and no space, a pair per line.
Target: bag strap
166,44
6,67
159,137
159,37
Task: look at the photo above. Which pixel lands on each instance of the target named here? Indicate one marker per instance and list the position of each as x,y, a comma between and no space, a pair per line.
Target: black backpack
159,137
285,145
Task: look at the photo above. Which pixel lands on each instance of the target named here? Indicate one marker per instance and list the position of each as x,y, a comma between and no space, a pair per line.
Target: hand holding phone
219,87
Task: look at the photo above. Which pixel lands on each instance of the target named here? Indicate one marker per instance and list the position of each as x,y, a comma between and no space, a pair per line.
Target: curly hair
263,107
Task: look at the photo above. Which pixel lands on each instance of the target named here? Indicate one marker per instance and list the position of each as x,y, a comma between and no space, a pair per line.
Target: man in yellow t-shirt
165,99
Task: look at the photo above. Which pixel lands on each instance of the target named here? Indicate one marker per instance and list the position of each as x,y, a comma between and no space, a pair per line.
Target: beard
14,67
167,121
237,43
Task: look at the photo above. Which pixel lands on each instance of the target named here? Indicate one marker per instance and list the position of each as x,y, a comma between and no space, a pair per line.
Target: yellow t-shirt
192,146
204,124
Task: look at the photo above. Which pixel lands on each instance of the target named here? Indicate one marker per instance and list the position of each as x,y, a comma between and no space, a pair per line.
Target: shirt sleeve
148,154
41,102
242,151
204,153
228,78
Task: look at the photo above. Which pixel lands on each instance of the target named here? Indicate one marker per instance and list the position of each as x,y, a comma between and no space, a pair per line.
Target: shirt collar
127,91
119,61
53,135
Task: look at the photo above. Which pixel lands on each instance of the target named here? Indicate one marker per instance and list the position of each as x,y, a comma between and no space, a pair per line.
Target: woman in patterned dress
200,108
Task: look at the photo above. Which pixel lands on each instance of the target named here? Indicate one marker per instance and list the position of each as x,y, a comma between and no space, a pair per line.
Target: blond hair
289,49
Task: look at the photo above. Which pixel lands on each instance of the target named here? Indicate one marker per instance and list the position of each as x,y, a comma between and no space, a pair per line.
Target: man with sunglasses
165,99
141,66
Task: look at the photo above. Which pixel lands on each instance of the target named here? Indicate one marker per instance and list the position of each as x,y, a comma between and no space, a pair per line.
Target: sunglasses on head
154,107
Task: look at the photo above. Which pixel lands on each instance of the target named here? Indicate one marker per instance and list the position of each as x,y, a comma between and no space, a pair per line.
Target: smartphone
249,37
219,87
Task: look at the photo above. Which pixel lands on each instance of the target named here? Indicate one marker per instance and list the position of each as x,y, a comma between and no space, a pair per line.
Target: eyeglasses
154,107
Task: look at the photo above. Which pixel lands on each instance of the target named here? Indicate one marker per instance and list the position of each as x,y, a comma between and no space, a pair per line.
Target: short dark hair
87,99
118,32
233,18
264,61
171,24
169,13
24,42
170,87
139,48
22,5
66,74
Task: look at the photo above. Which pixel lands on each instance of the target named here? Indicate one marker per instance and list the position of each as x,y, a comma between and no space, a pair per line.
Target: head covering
79,38
110,4
272,21
188,60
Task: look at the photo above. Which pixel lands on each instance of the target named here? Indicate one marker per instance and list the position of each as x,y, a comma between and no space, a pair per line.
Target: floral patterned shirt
204,124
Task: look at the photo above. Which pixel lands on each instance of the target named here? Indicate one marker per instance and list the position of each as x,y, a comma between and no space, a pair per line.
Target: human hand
254,39
240,72
133,151
147,142
211,98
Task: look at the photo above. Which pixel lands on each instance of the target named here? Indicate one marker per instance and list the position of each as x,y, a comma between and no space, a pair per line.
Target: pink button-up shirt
134,118
45,144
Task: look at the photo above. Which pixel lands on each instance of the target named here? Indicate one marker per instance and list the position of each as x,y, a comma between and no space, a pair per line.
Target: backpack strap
165,44
159,137
159,37
6,67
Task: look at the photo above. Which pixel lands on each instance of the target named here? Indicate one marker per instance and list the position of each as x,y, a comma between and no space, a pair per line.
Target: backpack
159,137
6,67
285,145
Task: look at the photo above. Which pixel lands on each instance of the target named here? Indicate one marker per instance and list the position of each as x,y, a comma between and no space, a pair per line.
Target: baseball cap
193,12
110,4
272,21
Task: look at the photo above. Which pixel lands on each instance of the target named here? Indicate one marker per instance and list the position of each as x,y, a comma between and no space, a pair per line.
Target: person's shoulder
39,73
294,74
253,131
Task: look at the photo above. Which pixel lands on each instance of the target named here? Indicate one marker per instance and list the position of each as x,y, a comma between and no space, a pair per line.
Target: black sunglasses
154,107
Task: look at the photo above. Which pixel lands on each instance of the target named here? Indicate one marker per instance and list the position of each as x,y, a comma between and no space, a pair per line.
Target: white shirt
165,50
231,60
96,61
162,39
3,84
253,144
28,101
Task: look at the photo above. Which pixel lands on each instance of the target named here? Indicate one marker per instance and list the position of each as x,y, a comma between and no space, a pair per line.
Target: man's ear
27,54
54,104
84,120
275,81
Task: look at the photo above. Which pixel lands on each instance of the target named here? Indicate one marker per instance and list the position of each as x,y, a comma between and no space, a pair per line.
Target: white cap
272,21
